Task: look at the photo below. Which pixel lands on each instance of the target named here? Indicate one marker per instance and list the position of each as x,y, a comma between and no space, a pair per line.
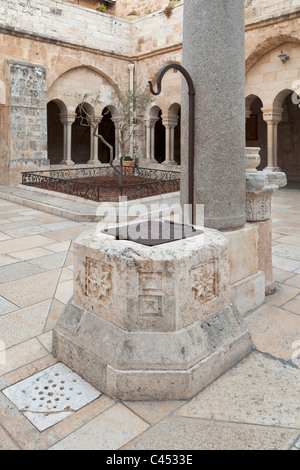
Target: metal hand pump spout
191,149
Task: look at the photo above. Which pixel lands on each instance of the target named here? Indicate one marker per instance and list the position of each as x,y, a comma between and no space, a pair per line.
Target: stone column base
67,163
94,162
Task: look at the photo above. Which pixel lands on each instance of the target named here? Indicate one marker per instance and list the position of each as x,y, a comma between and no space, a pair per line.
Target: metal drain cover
51,395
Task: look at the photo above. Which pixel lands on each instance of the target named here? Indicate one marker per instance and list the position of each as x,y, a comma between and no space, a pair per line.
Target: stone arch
109,131
77,66
153,72
174,113
81,134
256,127
55,131
280,97
268,77
82,83
266,45
288,146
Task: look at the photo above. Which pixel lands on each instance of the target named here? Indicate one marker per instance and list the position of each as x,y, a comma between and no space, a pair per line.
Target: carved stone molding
260,187
98,281
204,284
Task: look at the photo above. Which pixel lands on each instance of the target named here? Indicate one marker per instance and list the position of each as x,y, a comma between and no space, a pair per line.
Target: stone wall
60,20
265,8
123,7
26,123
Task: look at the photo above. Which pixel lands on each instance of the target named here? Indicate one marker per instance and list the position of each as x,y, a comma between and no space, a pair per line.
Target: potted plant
132,15
128,165
100,7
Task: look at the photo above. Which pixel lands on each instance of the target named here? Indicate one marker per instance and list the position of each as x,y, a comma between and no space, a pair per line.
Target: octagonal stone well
151,322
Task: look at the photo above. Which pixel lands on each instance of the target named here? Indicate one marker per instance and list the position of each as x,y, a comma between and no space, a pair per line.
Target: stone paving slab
103,433
274,331
177,433
259,390
252,406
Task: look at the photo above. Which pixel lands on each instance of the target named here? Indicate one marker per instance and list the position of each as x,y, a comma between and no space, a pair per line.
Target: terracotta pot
128,167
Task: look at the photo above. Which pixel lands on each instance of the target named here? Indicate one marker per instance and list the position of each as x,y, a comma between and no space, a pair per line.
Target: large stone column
213,54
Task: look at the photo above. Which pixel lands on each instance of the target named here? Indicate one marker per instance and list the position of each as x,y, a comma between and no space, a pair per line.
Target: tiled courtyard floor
255,405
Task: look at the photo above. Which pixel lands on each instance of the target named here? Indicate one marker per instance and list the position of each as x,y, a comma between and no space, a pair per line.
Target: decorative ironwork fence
67,181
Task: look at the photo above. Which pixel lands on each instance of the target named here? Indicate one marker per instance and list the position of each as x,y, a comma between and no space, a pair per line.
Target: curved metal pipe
191,149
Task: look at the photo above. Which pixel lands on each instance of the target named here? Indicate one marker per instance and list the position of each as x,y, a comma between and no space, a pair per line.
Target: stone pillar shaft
94,143
170,123
67,121
214,56
272,118
150,138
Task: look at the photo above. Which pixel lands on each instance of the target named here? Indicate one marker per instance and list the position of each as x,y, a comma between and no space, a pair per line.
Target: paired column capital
151,121
272,115
118,121
67,119
170,121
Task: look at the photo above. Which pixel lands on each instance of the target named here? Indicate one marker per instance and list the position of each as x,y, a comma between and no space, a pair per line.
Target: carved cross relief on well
27,7
203,284
98,281
150,300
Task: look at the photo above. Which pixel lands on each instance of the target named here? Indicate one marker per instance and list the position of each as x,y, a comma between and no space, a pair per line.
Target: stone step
75,208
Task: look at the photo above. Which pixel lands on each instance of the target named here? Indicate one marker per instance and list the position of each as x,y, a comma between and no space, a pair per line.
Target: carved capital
118,122
272,116
67,119
150,122
170,122
260,187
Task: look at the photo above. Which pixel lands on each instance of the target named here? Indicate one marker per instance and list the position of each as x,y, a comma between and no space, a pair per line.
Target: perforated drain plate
51,395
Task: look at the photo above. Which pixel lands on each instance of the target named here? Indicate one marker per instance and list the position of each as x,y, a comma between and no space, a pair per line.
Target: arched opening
106,128
160,139
175,112
256,129
55,134
289,138
81,137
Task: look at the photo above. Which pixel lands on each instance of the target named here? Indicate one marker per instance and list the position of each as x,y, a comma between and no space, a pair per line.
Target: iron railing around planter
66,181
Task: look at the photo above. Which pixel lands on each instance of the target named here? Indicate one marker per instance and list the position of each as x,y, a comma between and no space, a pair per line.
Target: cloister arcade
272,110
272,117
71,142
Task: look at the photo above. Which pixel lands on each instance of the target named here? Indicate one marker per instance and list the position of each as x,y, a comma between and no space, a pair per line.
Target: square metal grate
51,395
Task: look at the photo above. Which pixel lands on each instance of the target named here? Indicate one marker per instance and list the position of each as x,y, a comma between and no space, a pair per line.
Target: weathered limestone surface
247,279
213,53
26,123
260,189
151,322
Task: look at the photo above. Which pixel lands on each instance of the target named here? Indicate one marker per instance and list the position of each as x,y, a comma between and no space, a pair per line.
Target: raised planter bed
101,184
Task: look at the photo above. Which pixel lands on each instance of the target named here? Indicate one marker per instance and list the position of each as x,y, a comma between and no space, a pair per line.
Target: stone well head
151,322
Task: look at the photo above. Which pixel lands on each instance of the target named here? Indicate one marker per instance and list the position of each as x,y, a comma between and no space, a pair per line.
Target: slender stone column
94,160
170,123
153,142
118,123
67,121
214,55
131,68
272,117
150,138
